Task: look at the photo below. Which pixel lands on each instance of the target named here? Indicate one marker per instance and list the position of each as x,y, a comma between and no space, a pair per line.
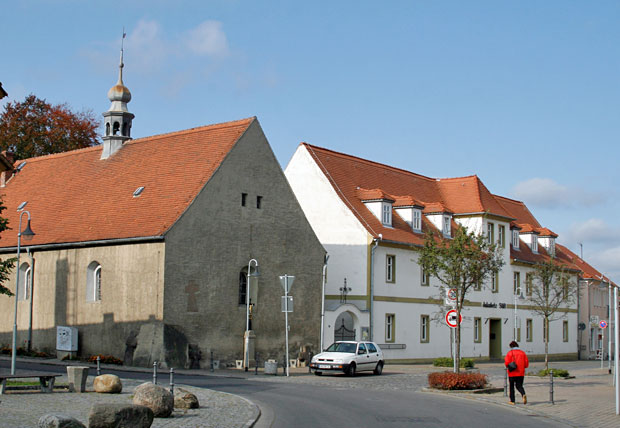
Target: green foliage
556,373
467,363
35,128
457,381
105,359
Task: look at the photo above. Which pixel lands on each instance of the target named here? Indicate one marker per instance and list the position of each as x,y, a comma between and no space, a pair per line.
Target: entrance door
495,338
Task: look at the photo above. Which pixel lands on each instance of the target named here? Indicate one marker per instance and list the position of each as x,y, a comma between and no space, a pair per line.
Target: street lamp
518,294
246,360
27,234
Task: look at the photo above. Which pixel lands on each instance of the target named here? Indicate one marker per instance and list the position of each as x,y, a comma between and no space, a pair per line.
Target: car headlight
338,361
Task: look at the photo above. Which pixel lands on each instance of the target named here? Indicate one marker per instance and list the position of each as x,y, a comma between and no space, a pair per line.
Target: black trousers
518,382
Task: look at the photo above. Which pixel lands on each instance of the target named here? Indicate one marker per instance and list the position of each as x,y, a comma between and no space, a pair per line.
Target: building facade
144,246
372,220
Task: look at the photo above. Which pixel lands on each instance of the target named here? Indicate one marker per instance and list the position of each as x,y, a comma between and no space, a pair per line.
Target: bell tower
117,120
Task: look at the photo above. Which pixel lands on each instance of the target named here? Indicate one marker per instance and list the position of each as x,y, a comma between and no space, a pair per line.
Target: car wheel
379,369
318,373
351,370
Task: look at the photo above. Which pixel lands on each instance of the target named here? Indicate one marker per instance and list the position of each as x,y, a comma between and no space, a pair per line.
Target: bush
467,363
456,381
23,352
105,359
556,373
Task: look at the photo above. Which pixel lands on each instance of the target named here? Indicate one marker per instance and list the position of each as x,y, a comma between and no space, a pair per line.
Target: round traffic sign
451,318
452,294
602,324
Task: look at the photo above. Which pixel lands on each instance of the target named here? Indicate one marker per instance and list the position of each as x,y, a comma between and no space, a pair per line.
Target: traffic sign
451,318
452,294
602,324
287,303
287,282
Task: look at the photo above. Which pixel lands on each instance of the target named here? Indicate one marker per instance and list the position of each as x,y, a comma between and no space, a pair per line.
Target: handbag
512,366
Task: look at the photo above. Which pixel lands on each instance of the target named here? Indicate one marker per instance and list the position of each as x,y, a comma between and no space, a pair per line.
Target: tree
461,263
5,265
551,289
35,128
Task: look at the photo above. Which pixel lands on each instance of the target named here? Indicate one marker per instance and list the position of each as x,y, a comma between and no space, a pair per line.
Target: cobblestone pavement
217,409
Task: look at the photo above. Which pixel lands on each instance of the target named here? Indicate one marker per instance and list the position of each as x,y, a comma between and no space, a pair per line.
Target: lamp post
246,358
28,234
518,294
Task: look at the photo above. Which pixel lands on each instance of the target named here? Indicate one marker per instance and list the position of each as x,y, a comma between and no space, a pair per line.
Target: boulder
119,416
184,399
156,398
108,383
58,420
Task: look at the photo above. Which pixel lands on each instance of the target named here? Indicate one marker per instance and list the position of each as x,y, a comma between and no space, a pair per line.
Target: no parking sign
602,324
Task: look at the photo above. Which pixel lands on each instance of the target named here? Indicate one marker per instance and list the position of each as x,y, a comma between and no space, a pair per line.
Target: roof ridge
221,125
59,155
379,164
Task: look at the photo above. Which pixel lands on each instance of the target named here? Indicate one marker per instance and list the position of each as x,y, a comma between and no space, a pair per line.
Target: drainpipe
372,281
323,300
31,286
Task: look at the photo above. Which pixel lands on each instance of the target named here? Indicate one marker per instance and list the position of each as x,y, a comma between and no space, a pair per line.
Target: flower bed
457,381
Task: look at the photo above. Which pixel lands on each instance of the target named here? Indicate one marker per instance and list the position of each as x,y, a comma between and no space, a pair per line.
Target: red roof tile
76,197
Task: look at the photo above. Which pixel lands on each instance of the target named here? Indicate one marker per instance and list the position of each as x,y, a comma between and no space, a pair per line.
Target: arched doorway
344,328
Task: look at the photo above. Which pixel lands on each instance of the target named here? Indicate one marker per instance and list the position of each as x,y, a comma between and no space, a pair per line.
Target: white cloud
607,262
546,193
208,38
145,45
594,229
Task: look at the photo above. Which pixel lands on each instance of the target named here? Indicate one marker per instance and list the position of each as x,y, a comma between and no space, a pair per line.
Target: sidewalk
588,400
217,409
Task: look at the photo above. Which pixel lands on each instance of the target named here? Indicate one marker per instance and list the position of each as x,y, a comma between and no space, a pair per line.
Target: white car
349,357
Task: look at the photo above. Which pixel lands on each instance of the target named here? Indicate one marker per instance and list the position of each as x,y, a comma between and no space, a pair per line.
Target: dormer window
416,222
386,214
446,229
534,243
515,239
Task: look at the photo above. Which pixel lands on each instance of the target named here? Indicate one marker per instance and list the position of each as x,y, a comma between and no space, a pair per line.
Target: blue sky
525,94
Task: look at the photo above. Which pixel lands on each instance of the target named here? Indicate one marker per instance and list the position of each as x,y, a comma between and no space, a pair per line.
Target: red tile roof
76,197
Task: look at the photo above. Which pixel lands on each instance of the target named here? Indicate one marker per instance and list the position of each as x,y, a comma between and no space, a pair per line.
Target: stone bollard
77,378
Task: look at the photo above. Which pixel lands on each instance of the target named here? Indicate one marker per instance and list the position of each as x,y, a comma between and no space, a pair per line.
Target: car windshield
342,347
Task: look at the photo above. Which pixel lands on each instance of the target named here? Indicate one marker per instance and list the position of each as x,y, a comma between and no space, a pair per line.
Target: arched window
243,287
107,129
124,128
93,282
116,128
23,290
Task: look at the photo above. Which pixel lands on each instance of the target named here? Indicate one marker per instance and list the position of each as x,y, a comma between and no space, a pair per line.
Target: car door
373,355
362,358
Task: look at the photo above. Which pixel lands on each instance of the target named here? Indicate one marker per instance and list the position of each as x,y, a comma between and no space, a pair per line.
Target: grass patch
556,373
466,363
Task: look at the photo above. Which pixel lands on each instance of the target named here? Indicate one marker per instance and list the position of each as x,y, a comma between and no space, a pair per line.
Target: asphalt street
390,400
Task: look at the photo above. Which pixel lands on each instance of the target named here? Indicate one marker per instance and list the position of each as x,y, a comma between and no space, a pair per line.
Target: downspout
372,281
31,286
323,300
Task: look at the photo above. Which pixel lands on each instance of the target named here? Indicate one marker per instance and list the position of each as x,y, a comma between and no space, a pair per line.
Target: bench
46,379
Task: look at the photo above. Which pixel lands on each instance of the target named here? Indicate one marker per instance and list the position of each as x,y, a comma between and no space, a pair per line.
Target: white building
372,218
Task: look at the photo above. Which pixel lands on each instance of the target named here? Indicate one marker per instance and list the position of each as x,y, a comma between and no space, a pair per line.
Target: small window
501,239
534,243
446,225
107,129
565,331
490,232
138,191
93,282
426,278
528,330
243,288
371,348
23,289
517,283
528,283
424,329
244,197
494,282
390,327
518,334
386,217
259,201
515,239
116,128
477,330
390,268
417,220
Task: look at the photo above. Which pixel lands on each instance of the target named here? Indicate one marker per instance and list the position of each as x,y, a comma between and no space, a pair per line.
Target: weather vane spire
121,65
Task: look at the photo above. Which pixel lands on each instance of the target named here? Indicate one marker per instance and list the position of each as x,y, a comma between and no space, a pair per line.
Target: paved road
392,400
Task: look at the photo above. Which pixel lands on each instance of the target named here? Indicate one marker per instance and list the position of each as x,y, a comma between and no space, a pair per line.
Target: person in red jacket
516,376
